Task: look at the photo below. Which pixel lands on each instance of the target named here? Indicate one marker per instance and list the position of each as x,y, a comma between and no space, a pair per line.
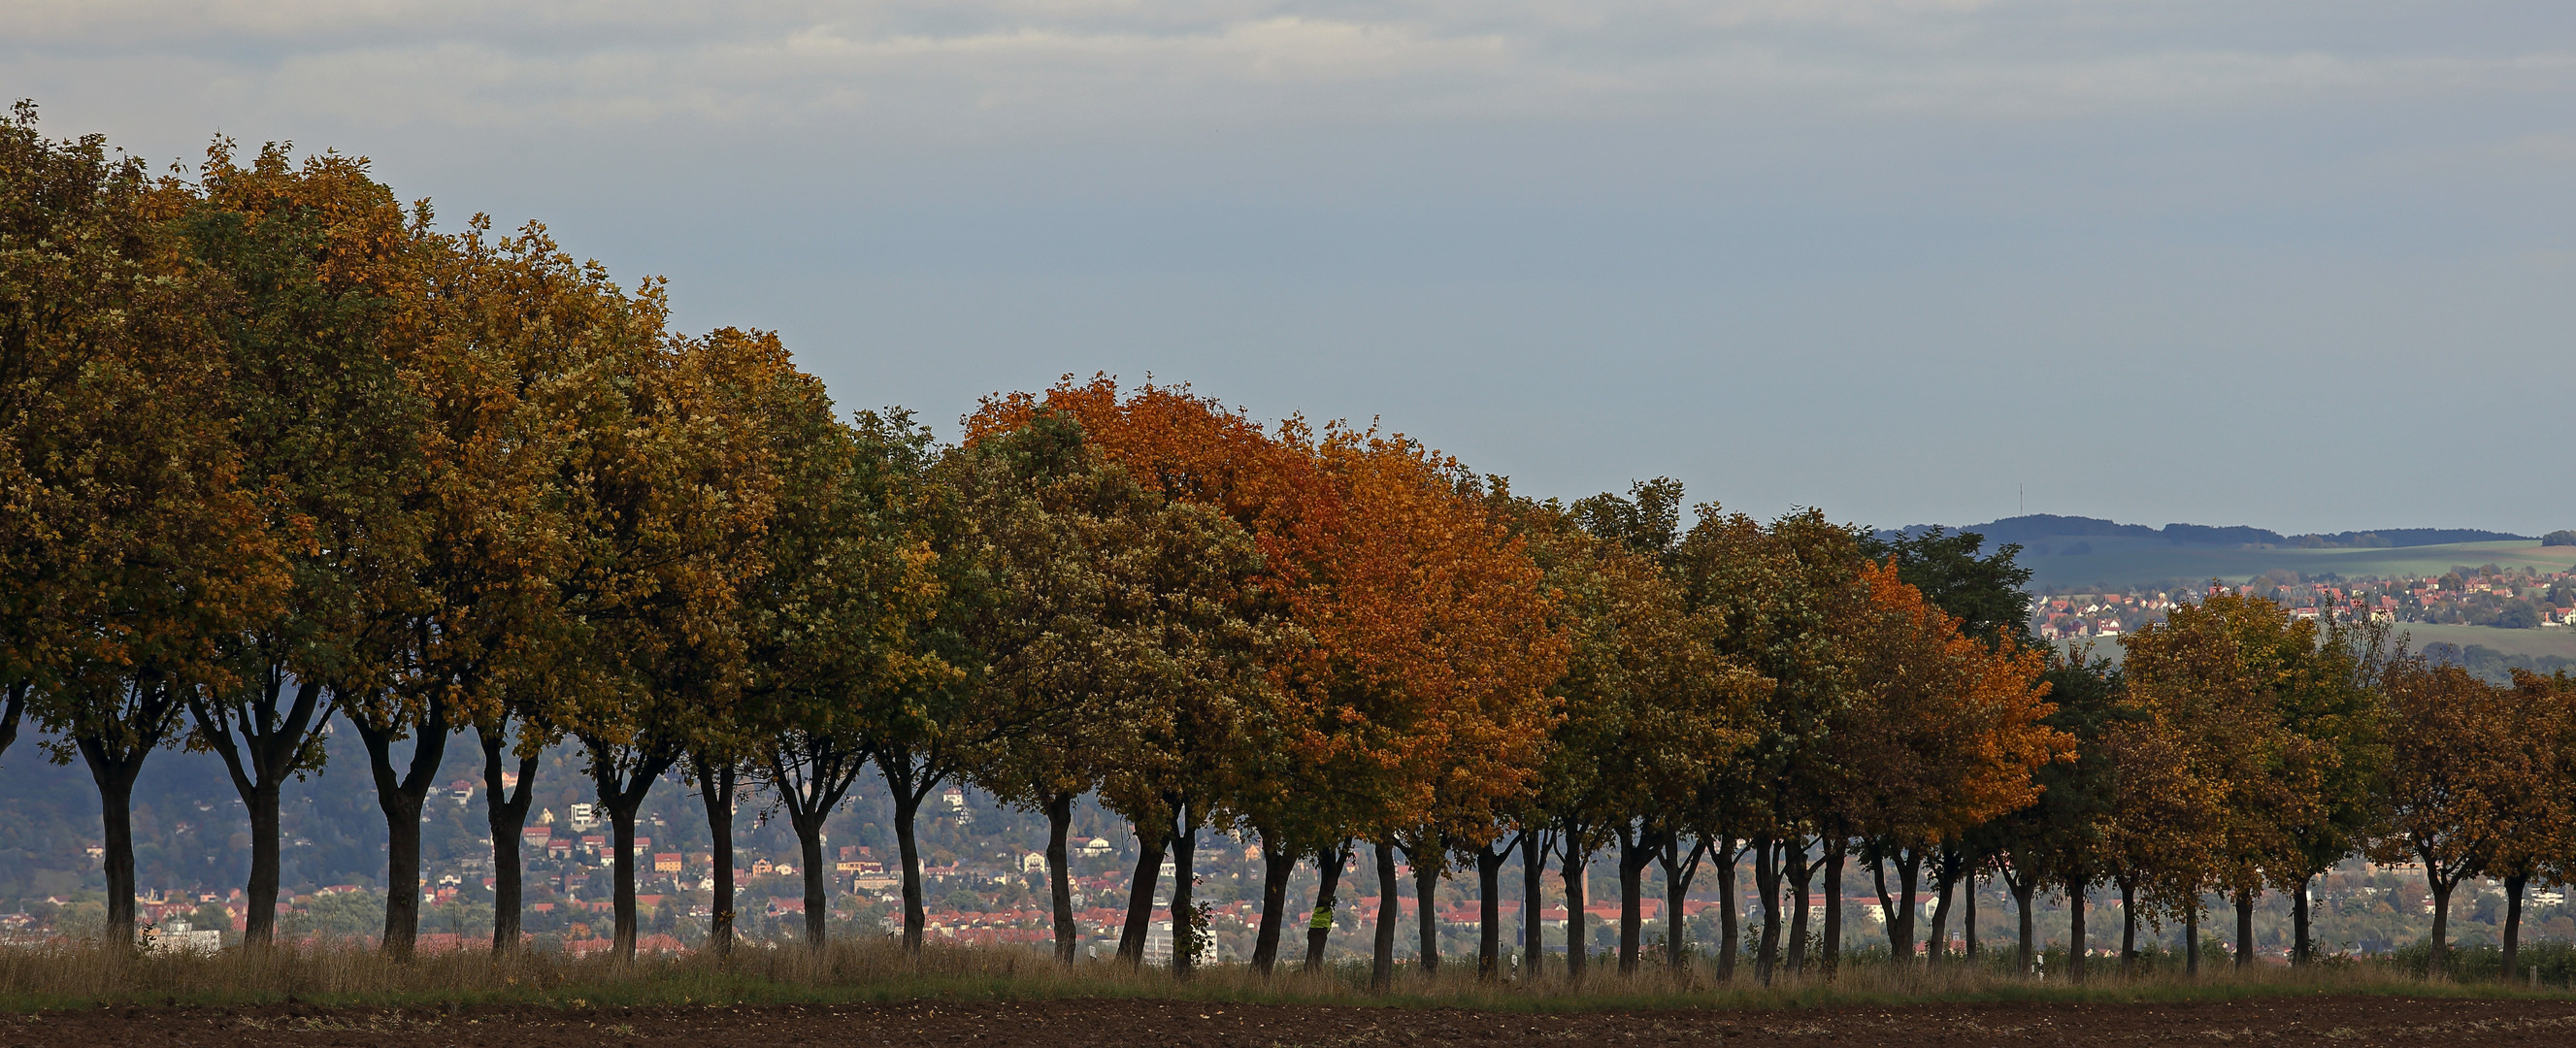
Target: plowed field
2343,1021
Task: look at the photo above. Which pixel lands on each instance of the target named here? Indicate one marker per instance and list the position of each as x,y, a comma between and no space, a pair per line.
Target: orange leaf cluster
1944,731
1421,684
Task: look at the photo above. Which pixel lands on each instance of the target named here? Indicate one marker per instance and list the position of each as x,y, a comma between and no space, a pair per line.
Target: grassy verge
65,977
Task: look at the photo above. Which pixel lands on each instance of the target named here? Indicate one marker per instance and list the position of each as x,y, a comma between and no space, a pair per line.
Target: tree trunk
1766,881
1328,880
12,709
811,773
907,848
1389,911
1489,911
2076,941
2299,946
1801,871
1968,915
2244,927
1833,942
1574,866
505,815
1679,869
1185,928
1533,901
1278,864
621,836
1897,911
400,799
2513,885
910,783
2128,927
2440,963
270,743
809,844
1909,874
115,779
715,790
2026,949
1635,851
1426,893
2191,938
1140,892
144,715
1059,809
259,926
1945,887
623,794
908,795
1730,920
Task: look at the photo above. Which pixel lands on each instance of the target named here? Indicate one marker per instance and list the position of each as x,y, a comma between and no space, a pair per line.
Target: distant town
984,882
984,871
2487,595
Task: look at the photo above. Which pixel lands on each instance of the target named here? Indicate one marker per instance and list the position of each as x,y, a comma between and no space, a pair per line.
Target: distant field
2129,562
2510,643
2559,642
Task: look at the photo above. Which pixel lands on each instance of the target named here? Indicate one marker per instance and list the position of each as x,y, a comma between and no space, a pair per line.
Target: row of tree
279,450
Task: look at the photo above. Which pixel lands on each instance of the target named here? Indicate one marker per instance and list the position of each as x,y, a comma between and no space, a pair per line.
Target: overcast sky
2303,264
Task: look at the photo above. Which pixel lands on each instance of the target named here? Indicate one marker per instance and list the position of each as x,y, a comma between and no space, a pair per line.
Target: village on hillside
988,885
984,875
2471,596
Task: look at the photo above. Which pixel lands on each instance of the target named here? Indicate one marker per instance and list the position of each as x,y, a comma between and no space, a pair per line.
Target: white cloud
1004,66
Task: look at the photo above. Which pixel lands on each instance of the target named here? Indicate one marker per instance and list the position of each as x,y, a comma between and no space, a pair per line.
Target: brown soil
2344,1021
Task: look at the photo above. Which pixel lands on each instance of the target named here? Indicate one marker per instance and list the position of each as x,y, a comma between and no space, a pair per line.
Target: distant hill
2035,529
2073,554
